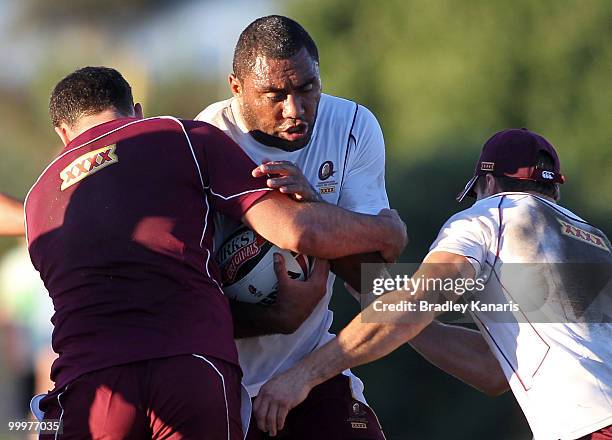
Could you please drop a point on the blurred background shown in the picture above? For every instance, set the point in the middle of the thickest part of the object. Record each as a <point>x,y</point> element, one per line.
<point>441,76</point>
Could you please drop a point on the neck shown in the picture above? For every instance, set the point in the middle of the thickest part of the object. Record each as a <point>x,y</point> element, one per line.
<point>535,193</point>
<point>68,133</point>
<point>550,199</point>
<point>86,122</point>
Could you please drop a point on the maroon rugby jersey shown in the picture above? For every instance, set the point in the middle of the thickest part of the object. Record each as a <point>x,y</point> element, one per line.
<point>120,228</point>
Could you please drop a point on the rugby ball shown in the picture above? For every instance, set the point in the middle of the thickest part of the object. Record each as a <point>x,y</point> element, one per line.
<point>246,261</point>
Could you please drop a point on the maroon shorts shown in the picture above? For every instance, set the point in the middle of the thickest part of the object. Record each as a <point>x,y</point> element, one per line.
<point>602,434</point>
<point>329,412</point>
<point>180,397</point>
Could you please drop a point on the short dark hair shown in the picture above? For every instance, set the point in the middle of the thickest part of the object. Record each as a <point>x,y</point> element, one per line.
<point>544,161</point>
<point>273,36</point>
<point>88,91</point>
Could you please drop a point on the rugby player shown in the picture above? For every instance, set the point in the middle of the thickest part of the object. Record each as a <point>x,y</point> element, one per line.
<point>315,147</point>
<point>556,356</point>
<point>119,225</point>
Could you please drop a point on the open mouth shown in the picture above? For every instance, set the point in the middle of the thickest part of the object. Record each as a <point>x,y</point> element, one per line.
<point>296,132</point>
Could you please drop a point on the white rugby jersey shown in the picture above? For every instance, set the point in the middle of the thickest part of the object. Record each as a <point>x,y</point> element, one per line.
<point>345,162</point>
<point>560,369</point>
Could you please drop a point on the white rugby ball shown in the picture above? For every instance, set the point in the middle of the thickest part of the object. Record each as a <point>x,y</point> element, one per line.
<point>246,261</point>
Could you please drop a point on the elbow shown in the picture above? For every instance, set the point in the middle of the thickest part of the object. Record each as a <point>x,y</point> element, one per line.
<point>294,241</point>
<point>306,239</point>
<point>307,243</point>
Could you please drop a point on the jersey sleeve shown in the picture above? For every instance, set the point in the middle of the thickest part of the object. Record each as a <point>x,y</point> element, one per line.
<point>363,184</point>
<point>226,172</point>
<point>464,234</point>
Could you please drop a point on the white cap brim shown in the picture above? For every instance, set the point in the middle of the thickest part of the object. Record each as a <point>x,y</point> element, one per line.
<point>468,187</point>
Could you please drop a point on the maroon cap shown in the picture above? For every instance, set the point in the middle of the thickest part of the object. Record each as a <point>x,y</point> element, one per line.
<point>513,153</point>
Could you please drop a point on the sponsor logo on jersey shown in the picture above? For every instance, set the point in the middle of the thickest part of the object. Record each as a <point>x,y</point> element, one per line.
<point>582,235</point>
<point>327,189</point>
<point>487,166</point>
<point>326,170</point>
<point>88,164</point>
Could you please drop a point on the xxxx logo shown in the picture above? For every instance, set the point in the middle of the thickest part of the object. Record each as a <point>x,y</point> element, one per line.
<point>581,234</point>
<point>88,164</point>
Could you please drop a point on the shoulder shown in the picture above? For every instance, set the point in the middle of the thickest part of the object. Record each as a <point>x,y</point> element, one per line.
<point>336,104</point>
<point>349,117</point>
<point>204,133</point>
<point>335,111</point>
<point>483,214</point>
<point>345,108</point>
<point>365,117</point>
<point>214,111</point>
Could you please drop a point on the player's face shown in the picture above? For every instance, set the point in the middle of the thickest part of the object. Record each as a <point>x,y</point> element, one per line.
<point>279,99</point>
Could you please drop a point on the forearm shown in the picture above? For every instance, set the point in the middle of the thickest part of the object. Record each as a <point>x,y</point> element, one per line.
<point>375,332</point>
<point>334,232</point>
<point>11,216</point>
<point>462,353</point>
<point>378,330</point>
<point>322,230</point>
<point>357,344</point>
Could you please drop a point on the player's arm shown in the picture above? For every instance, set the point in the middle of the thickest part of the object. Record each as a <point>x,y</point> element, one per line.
<point>462,353</point>
<point>295,301</point>
<point>370,336</point>
<point>323,230</point>
<point>458,351</point>
<point>11,216</point>
<point>315,229</point>
<point>289,179</point>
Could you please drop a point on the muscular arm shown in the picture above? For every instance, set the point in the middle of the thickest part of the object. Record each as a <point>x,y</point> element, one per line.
<point>368,337</point>
<point>462,353</point>
<point>323,230</point>
<point>11,216</point>
<point>295,301</point>
<point>373,334</point>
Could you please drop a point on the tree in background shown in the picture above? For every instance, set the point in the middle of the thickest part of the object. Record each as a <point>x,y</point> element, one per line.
<point>442,76</point>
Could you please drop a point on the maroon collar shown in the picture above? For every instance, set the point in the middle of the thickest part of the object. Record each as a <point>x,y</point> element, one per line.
<point>96,131</point>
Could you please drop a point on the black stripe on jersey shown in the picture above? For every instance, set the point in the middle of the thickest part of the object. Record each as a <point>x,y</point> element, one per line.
<point>348,144</point>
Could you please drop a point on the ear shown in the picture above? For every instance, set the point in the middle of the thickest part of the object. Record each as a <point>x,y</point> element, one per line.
<point>235,85</point>
<point>63,132</point>
<point>138,113</point>
<point>492,186</point>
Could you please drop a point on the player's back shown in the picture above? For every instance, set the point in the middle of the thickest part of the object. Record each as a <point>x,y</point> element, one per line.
<point>555,345</point>
<point>116,227</point>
